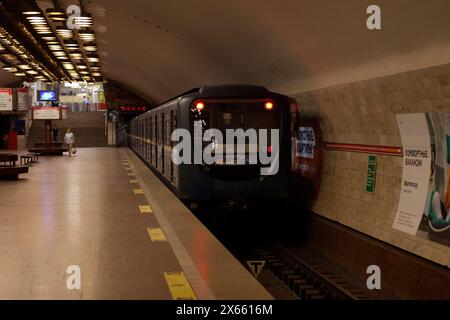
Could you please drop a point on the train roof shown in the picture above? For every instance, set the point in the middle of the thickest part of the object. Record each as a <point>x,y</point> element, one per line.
<point>222,91</point>
<point>233,90</point>
<point>225,90</point>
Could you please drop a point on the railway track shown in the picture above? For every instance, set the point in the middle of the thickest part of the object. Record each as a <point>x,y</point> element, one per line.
<point>296,269</point>
<point>311,277</point>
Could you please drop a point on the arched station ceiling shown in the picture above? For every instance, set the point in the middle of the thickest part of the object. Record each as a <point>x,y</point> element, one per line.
<point>162,48</point>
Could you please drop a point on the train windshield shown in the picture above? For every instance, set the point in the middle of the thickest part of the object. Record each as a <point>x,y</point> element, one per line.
<point>231,116</point>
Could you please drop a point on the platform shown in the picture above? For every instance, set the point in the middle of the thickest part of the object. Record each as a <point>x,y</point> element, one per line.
<point>85,211</point>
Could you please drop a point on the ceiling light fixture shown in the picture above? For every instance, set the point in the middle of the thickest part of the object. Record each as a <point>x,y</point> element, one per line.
<point>24,66</point>
<point>92,58</point>
<point>59,53</point>
<point>76,55</point>
<point>10,69</point>
<point>90,48</point>
<point>87,36</point>
<point>68,65</point>
<point>64,33</point>
<point>27,13</point>
<point>55,12</point>
<point>84,21</point>
<point>55,47</point>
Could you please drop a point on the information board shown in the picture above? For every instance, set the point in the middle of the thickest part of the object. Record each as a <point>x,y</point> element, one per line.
<point>6,99</point>
<point>371,173</point>
<point>46,113</point>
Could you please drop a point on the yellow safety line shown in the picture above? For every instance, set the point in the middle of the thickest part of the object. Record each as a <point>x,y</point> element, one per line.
<point>179,286</point>
<point>130,174</point>
<point>133,181</point>
<point>128,168</point>
<point>138,191</point>
<point>156,234</point>
<point>145,209</point>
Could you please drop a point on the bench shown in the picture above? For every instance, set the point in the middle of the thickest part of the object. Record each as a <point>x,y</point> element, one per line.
<point>26,159</point>
<point>12,172</point>
<point>35,157</point>
<point>8,168</point>
<point>8,159</point>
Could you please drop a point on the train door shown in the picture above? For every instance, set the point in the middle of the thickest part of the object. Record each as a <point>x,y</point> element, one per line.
<point>163,140</point>
<point>151,140</point>
<point>136,136</point>
<point>146,138</point>
<point>171,129</point>
<point>140,137</point>
<point>156,140</point>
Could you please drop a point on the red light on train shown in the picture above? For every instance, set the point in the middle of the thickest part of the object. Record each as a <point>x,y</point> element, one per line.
<point>269,149</point>
<point>268,105</point>
<point>199,105</point>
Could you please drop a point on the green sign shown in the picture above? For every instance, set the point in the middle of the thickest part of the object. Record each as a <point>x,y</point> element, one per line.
<point>371,174</point>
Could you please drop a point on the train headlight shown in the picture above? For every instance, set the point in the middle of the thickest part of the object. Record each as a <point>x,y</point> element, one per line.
<point>268,105</point>
<point>199,105</point>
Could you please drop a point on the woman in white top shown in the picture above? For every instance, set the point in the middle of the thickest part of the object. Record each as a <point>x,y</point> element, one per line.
<point>69,138</point>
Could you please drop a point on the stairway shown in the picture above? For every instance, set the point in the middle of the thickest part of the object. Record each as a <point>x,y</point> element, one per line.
<point>88,127</point>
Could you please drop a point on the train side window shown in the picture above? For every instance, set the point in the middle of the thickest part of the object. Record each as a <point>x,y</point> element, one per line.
<point>171,128</point>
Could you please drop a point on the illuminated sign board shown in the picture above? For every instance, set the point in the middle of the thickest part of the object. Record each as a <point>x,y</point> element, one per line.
<point>132,108</point>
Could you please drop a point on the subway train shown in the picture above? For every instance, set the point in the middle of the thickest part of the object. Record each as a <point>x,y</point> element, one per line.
<point>232,177</point>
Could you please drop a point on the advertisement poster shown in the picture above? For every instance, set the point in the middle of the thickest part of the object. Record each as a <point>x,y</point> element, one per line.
<point>416,171</point>
<point>435,224</point>
<point>307,159</point>
<point>306,142</point>
<point>425,198</point>
<point>46,113</point>
<point>6,99</point>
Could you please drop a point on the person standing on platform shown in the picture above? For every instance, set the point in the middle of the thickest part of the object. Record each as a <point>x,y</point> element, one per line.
<point>69,138</point>
<point>86,104</point>
<point>55,132</point>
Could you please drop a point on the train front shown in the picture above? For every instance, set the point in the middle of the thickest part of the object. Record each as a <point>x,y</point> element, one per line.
<point>241,148</point>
